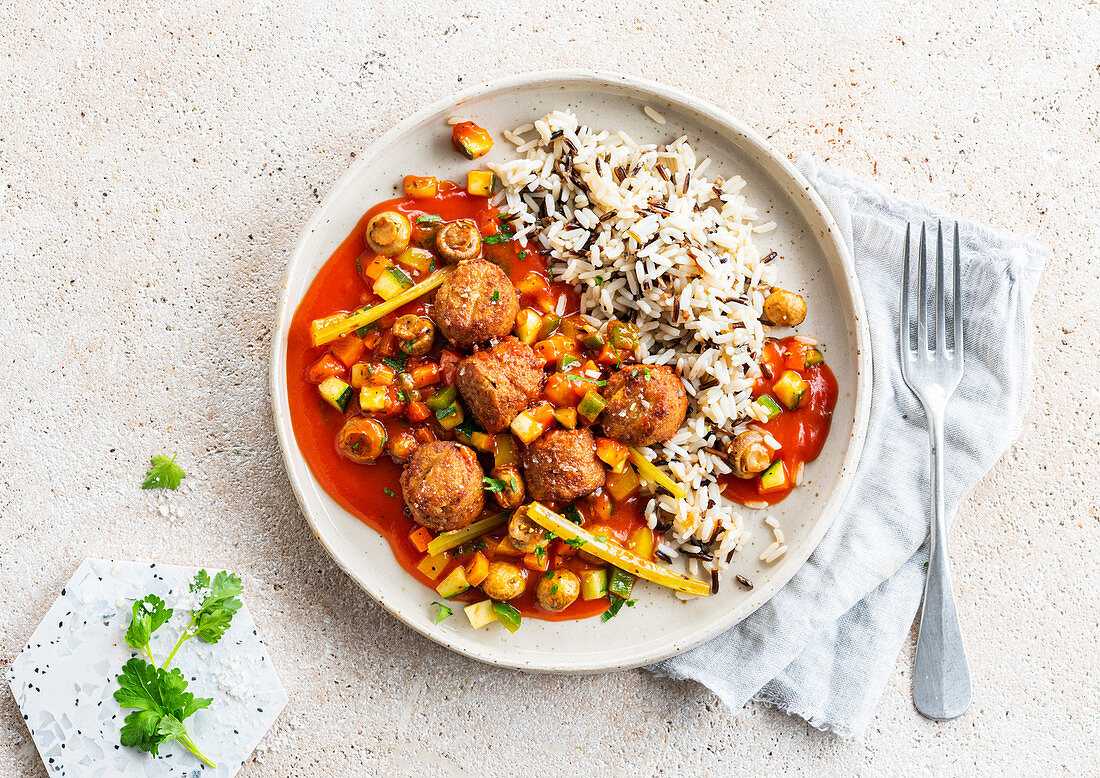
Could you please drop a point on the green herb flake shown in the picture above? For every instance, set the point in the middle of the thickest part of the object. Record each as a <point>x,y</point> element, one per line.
<point>495,296</point>
<point>617,603</point>
<point>522,256</point>
<point>442,613</point>
<point>503,235</point>
<point>164,474</point>
<point>429,218</point>
<point>574,542</point>
<point>362,331</point>
<point>388,491</point>
<point>397,363</point>
<point>494,484</point>
<point>599,280</point>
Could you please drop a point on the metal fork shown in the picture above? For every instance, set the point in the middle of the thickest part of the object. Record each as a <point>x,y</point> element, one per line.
<point>941,676</point>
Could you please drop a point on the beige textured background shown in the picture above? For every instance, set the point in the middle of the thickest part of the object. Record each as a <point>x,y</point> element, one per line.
<point>156,165</point>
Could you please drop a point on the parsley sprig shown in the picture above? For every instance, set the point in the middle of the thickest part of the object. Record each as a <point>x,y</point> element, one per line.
<point>164,473</point>
<point>160,695</point>
<point>617,603</point>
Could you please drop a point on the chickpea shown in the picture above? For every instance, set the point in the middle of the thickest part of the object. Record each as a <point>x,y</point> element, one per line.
<point>402,446</point>
<point>784,309</point>
<point>458,241</point>
<point>415,334</point>
<point>511,494</point>
<point>556,591</point>
<point>526,534</point>
<point>504,582</point>
<point>361,440</point>
<point>388,233</point>
<point>749,454</point>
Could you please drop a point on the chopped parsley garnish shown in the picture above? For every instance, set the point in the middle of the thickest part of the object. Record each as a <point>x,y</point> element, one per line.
<point>616,606</point>
<point>397,363</point>
<point>570,512</point>
<point>572,377</point>
<point>443,613</point>
<point>387,491</point>
<point>495,296</point>
<point>548,574</point>
<point>431,264</point>
<point>164,474</point>
<point>494,484</point>
<point>540,554</point>
<point>428,218</point>
<point>503,235</point>
<point>599,280</point>
<point>574,542</point>
<point>522,256</point>
<point>554,589</point>
<point>402,396</point>
<point>358,266</point>
<point>399,275</point>
<point>362,331</point>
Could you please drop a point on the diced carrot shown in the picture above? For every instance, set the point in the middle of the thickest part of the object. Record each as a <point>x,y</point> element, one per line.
<point>326,367</point>
<point>375,267</point>
<point>477,570</point>
<point>796,356</point>
<point>387,345</point>
<point>421,537</point>
<point>420,186</point>
<point>551,349</point>
<point>532,283</point>
<point>423,435</point>
<point>426,375</point>
<point>536,561</point>
<point>448,366</point>
<point>507,547</point>
<point>417,411</point>
<point>348,349</point>
<point>609,356</point>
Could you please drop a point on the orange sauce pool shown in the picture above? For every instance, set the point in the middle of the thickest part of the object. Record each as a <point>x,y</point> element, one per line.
<point>372,492</point>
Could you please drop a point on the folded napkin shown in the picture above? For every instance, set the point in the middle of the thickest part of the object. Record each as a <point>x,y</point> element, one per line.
<point>823,647</point>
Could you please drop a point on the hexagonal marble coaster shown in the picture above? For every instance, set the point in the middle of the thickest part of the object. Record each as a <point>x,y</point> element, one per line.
<point>64,679</point>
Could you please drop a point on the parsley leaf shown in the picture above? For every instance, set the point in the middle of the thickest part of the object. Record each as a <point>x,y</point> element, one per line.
<point>495,295</point>
<point>428,218</point>
<point>443,613</point>
<point>522,256</point>
<point>574,542</point>
<point>503,235</point>
<point>387,491</point>
<point>616,606</point>
<point>219,604</point>
<point>162,702</point>
<point>164,474</point>
<point>149,616</point>
<point>599,280</point>
<point>397,363</point>
<point>365,329</point>
<point>494,484</point>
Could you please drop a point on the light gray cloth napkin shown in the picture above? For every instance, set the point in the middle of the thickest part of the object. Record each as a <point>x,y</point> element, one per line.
<point>823,647</point>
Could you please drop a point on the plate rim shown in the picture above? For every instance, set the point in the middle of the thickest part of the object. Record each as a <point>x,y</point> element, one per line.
<point>672,95</point>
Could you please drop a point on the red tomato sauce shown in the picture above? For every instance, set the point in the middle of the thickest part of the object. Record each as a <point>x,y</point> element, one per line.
<point>801,432</point>
<point>372,492</point>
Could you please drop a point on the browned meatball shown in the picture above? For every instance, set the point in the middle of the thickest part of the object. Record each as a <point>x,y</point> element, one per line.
<point>499,382</point>
<point>556,591</point>
<point>784,309</point>
<point>441,485</point>
<point>562,466</point>
<point>476,302</point>
<point>646,404</point>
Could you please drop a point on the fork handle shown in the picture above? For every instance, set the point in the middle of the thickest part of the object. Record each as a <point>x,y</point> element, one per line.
<point>941,675</point>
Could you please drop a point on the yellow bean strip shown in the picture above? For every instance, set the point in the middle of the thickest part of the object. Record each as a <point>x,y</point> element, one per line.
<point>613,554</point>
<point>456,537</point>
<point>654,474</point>
<point>365,316</point>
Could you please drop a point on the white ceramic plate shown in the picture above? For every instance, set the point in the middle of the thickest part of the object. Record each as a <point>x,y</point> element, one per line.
<point>816,263</point>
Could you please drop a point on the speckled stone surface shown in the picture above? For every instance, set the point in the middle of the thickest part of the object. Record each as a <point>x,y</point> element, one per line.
<point>156,165</point>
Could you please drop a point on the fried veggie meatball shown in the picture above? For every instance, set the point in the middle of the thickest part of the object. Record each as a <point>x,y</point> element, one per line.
<point>784,309</point>
<point>646,404</point>
<point>476,302</point>
<point>556,591</point>
<point>499,382</point>
<point>562,466</point>
<point>441,486</point>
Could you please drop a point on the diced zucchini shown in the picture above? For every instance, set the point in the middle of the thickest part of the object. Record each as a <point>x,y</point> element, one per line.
<point>594,341</point>
<point>789,389</point>
<point>622,485</point>
<point>621,583</point>
<point>594,584</point>
<point>451,416</point>
<point>441,398</point>
<point>641,542</point>
<point>471,140</point>
<point>335,392</point>
<point>775,477</point>
<point>566,417</point>
<point>528,427</point>
<point>454,584</point>
<point>612,452</point>
<point>814,357</point>
<point>507,615</point>
<point>421,186</point>
<point>483,442</point>
<point>417,260</point>
<point>770,406</point>
<point>480,182</point>
<point>480,614</point>
<point>550,324</point>
<point>373,399</point>
<point>591,405</point>
<point>622,335</point>
<point>433,565</point>
<point>527,325</point>
<point>504,450</point>
<point>567,361</point>
<point>391,283</point>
